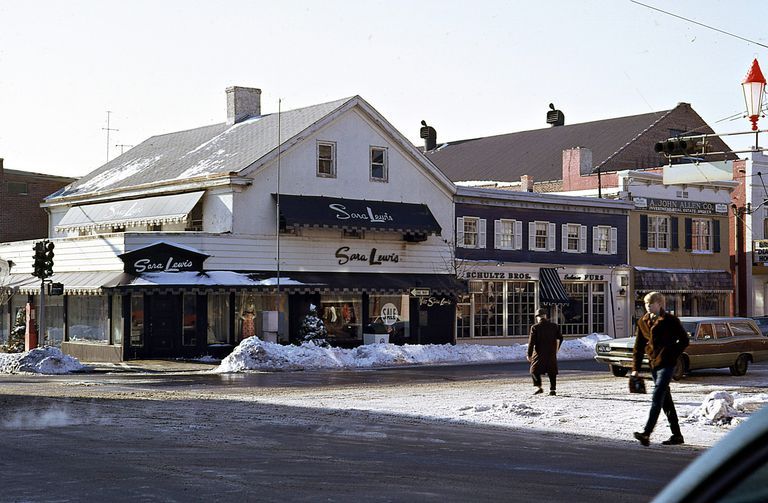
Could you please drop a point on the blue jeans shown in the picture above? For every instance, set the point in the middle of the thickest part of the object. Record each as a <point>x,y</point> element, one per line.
<point>662,400</point>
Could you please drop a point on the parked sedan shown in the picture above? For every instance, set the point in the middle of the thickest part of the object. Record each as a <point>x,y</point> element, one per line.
<point>716,342</point>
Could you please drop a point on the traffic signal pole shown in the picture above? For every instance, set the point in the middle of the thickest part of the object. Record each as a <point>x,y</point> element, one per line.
<point>41,318</point>
<point>43,269</point>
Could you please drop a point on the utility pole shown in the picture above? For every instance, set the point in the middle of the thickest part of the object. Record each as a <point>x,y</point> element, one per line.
<point>108,129</point>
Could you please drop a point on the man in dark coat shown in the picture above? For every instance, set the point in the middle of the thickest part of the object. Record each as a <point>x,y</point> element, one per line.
<point>661,336</point>
<point>543,344</point>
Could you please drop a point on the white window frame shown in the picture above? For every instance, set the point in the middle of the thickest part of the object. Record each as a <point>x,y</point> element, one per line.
<point>580,236</point>
<point>332,145</point>
<point>511,240</point>
<point>384,164</point>
<point>696,236</point>
<point>606,234</point>
<point>549,235</point>
<point>479,232</point>
<point>656,234</point>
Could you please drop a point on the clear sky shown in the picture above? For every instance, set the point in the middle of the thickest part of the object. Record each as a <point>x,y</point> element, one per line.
<point>469,68</point>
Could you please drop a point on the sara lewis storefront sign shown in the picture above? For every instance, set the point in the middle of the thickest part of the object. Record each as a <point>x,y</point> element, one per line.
<point>680,206</point>
<point>162,257</point>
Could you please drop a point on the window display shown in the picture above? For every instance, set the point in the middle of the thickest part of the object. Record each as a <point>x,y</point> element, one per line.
<point>389,314</point>
<point>249,313</point>
<point>341,317</point>
<point>88,318</point>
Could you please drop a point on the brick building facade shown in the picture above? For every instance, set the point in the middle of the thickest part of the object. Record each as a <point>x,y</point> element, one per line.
<point>21,193</point>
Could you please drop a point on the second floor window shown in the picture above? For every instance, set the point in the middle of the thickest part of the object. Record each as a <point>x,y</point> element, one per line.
<point>379,164</point>
<point>658,233</point>
<point>604,240</point>
<point>326,159</point>
<point>702,235</point>
<point>508,234</point>
<point>470,232</point>
<point>574,238</point>
<point>541,236</point>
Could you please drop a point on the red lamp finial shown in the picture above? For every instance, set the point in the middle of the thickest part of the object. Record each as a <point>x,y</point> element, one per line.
<point>753,87</point>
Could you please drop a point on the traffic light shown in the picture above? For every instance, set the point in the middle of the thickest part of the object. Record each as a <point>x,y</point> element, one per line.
<point>685,147</point>
<point>43,265</point>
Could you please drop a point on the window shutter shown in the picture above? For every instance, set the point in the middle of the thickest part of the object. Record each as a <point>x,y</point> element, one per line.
<point>643,232</point>
<point>595,240</point>
<point>531,235</point>
<point>481,233</point>
<point>674,240</point>
<point>716,236</point>
<point>583,239</point>
<point>564,237</point>
<point>688,234</point>
<point>551,235</point>
<point>460,232</point>
<point>518,243</point>
<point>614,240</point>
<point>497,234</point>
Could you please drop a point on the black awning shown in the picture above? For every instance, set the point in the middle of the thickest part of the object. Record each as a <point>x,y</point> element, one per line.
<point>320,211</point>
<point>306,282</point>
<point>551,290</point>
<point>676,281</point>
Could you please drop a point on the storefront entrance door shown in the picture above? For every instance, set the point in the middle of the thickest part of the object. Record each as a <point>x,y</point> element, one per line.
<point>164,323</point>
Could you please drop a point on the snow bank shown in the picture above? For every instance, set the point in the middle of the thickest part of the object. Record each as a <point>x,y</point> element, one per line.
<point>722,407</point>
<point>46,360</point>
<point>255,354</point>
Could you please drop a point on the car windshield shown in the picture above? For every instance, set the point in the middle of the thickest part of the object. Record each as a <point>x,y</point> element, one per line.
<point>690,327</point>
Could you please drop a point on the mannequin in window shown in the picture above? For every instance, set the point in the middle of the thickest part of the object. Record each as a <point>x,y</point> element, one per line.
<point>249,322</point>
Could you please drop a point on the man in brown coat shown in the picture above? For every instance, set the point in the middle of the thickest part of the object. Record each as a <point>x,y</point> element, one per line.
<point>661,337</point>
<point>543,344</point>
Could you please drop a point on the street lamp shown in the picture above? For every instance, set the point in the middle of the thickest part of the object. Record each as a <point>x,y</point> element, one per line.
<point>753,86</point>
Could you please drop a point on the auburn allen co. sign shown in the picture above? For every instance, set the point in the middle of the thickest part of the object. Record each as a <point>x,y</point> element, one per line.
<point>162,257</point>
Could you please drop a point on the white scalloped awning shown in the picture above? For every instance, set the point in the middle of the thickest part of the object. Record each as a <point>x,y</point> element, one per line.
<point>147,211</point>
<point>75,283</point>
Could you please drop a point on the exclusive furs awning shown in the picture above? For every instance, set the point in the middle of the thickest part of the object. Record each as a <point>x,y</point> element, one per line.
<point>551,290</point>
<point>682,280</point>
<point>356,214</point>
<point>146,211</point>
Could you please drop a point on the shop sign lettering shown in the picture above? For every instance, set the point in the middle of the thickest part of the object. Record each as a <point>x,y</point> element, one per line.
<point>585,277</point>
<point>760,247</point>
<point>496,275</point>
<point>372,258</point>
<point>679,206</point>
<point>389,314</point>
<point>368,215</point>
<point>434,301</point>
<point>147,265</point>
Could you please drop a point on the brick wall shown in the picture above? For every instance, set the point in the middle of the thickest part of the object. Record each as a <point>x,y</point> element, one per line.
<point>21,216</point>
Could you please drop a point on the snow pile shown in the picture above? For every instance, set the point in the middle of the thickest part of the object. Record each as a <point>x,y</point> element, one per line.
<point>721,407</point>
<point>255,354</point>
<point>46,360</point>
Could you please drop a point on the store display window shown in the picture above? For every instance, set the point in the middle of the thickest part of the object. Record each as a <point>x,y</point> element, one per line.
<point>249,313</point>
<point>341,316</point>
<point>389,314</point>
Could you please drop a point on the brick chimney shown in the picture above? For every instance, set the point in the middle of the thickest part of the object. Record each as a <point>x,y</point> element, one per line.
<point>526,183</point>
<point>577,161</point>
<point>242,103</point>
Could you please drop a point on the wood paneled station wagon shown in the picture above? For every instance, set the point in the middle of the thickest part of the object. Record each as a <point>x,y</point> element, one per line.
<point>716,342</point>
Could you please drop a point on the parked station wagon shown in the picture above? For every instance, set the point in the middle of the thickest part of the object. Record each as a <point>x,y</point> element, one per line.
<point>715,342</point>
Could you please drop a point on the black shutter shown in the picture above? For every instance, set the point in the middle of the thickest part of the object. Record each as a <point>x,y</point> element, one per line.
<point>688,234</point>
<point>673,244</point>
<point>716,236</point>
<point>643,232</point>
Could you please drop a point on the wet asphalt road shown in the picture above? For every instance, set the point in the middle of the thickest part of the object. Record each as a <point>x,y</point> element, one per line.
<point>133,445</point>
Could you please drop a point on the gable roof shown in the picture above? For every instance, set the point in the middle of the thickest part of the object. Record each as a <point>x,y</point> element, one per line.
<point>539,152</point>
<point>208,151</point>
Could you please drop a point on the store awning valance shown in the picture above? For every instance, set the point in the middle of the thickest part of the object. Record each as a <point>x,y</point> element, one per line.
<point>75,283</point>
<point>551,290</point>
<point>359,214</point>
<point>146,211</point>
<point>293,282</point>
<point>681,281</point>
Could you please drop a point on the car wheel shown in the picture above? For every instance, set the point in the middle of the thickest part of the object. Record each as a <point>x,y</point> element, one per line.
<point>618,371</point>
<point>679,368</point>
<point>739,368</point>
